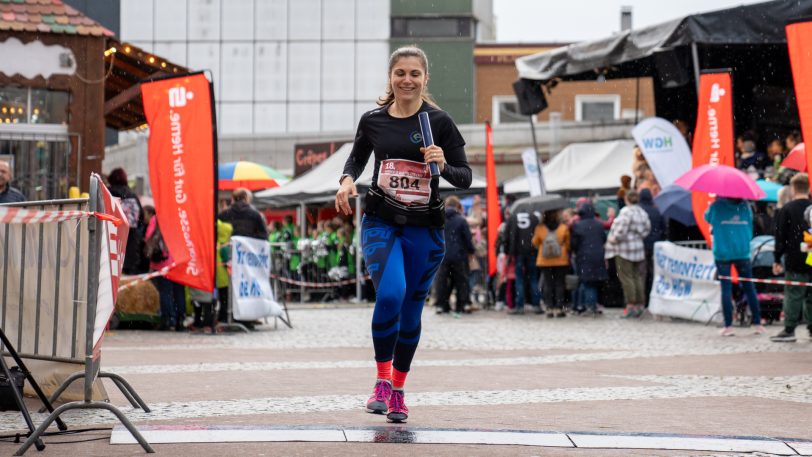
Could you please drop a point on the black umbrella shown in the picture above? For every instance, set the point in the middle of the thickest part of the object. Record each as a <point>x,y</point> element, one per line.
<point>539,204</point>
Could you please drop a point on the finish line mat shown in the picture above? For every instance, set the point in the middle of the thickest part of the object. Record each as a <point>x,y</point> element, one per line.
<point>159,434</point>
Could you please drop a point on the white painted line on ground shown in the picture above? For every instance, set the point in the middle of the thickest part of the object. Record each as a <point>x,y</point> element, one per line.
<point>680,443</point>
<point>337,364</point>
<point>165,434</point>
<point>269,366</point>
<point>120,435</point>
<point>671,387</point>
<point>463,437</point>
<point>802,447</point>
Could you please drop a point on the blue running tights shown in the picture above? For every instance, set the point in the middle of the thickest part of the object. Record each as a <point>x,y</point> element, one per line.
<point>402,262</point>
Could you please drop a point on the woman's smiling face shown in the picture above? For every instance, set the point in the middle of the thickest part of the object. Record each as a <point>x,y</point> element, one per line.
<point>408,78</point>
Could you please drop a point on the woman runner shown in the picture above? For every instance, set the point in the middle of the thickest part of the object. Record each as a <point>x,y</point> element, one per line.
<point>402,229</point>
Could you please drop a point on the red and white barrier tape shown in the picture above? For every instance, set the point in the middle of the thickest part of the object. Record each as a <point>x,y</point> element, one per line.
<point>135,279</point>
<point>770,281</point>
<point>314,284</point>
<point>14,215</point>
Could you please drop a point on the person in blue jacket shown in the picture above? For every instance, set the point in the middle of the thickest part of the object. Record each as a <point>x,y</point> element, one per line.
<point>731,223</point>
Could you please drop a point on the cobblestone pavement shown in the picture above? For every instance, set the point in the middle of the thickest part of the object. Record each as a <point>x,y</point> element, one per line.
<point>481,371</point>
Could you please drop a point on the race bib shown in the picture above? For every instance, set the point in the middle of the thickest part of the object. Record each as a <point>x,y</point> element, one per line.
<point>406,181</point>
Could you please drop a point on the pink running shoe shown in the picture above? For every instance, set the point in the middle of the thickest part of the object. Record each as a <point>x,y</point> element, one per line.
<point>398,412</point>
<point>378,402</point>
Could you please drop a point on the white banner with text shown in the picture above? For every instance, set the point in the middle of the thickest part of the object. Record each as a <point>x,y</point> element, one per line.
<point>251,293</point>
<point>684,283</point>
<point>664,148</point>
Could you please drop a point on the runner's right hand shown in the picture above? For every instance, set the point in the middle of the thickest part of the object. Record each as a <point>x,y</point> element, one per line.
<point>343,195</point>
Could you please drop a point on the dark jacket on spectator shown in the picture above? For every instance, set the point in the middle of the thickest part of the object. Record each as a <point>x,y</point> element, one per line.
<point>588,238</point>
<point>11,195</point>
<point>657,232</point>
<point>763,223</point>
<point>520,229</point>
<point>135,262</point>
<point>789,234</point>
<point>245,220</point>
<point>458,243</point>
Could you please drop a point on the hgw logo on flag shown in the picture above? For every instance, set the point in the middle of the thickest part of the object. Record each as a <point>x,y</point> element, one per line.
<point>664,148</point>
<point>658,140</point>
<point>178,96</point>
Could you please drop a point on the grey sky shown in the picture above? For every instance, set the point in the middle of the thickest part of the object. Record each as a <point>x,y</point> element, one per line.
<point>534,21</point>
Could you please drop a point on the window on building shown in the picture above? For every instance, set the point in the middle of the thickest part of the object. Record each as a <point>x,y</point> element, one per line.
<point>505,110</point>
<point>597,108</point>
<point>49,107</point>
<point>433,27</point>
<point>23,105</point>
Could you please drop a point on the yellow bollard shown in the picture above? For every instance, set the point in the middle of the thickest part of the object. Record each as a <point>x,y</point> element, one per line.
<point>73,192</point>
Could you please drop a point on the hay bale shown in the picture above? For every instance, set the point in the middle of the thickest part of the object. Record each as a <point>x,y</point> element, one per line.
<point>141,298</point>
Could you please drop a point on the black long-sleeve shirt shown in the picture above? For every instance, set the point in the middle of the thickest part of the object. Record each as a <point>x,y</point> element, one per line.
<point>789,234</point>
<point>399,138</point>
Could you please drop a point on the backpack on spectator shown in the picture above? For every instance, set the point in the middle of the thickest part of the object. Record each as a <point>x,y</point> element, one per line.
<point>551,248</point>
<point>155,247</point>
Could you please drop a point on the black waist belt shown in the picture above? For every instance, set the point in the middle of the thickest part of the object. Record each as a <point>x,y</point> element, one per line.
<point>379,205</point>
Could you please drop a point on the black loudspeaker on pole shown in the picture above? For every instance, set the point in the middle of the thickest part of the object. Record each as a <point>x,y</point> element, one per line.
<point>530,96</point>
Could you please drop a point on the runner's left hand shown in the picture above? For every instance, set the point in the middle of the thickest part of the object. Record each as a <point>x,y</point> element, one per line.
<point>434,154</point>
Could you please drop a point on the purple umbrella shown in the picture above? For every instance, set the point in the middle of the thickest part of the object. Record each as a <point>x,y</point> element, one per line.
<point>722,180</point>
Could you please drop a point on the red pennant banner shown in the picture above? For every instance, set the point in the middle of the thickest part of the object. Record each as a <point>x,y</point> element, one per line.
<point>492,199</point>
<point>799,45</point>
<point>181,173</point>
<point>713,137</point>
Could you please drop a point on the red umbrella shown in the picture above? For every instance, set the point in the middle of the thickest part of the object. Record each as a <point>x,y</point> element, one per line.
<point>796,159</point>
<point>722,180</point>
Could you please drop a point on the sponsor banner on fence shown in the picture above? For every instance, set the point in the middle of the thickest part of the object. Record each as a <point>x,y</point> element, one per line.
<point>252,296</point>
<point>181,173</point>
<point>684,284</point>
<point>664,148</point>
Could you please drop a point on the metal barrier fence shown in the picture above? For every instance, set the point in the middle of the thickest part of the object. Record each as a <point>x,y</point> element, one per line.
<point>44,324</point>
<point>309,271</point>
<point>694,244</point>
<point>65,254</point>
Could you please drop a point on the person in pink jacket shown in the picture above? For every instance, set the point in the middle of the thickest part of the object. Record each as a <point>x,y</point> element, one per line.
<point>173,299</point>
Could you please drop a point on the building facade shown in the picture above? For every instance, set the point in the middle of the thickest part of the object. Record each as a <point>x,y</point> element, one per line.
<point>448,32</point>
<point>579,101</point>
<point>51,96</point>
<point>278,66</point>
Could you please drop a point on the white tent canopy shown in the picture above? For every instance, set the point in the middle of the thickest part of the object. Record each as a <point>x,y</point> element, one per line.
<point>583,166</point>
<point>320,184</point>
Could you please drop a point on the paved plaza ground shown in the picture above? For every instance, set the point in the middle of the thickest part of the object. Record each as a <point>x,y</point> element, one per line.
<point>487,370</point>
